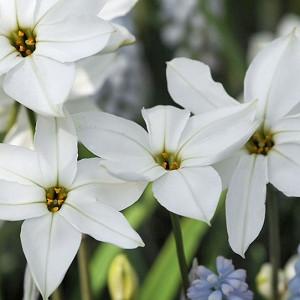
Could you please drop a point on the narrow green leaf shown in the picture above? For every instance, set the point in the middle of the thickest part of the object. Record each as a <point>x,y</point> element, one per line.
<point>105,253</point>
<point>163,280</point>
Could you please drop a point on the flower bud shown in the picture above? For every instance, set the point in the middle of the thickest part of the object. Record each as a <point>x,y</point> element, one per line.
<point>122,279</point>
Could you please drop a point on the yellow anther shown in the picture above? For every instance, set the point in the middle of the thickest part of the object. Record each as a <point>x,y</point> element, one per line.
<point>55,198</point>
<point>260,143</point>
<point>21,33</point>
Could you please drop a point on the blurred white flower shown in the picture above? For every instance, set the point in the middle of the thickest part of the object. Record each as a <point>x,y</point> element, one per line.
<point>40,41</point>
<point>60,198</point>
<point>175,154</point>
<point>261,39</point>
<point>264,282</point>
<point>272,153</point>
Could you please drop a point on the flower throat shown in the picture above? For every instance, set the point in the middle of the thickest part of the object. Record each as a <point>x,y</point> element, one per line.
<point>24,41</point>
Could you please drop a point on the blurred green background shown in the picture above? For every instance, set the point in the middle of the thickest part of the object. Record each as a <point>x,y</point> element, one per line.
<point>226,35</point>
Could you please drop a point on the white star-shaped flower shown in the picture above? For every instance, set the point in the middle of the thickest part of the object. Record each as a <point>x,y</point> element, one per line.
<point>272,153</point>
<point>39,42</point>
<point>175,154</point>
<point>59,199</point>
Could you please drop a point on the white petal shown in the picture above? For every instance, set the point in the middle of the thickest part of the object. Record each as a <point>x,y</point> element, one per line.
<point>9,56</point>
<point>20,165</point>
<point>226,168</point>
<point>43,7</point>
<point>30,290</point>
<point>272,78</point>
<point>120,141</point>
<point>245,203</point>
<point>100,221</point>
<point>165,125</point>
<point>40,84</point>
<point>50,244</point>
<point>25,12</point>
<point>64,9</point>
<point>284,168</point>
<point>73,39</point>
<point>56,143</point>
<point>190,192</point>
<point>211,137</point>
<point>120,37</point>
<point>116,8</point>
<point>19,202</point>
<point>92,178</point>
<point>190,84</point>
<point>91,74</point>
<point>8,16</point>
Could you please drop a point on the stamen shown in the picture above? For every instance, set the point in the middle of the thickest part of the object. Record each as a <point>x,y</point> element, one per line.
<point>55,198</point>
<point>24,41</point>
<point>260,143</point>
<point>168,161</point>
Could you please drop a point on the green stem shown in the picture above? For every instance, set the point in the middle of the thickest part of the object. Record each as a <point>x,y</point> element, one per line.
<point>85,287</point>
<point>274,239</point>
<point>180,251</point>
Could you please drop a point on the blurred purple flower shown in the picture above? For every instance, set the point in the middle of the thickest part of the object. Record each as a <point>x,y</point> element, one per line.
<point>228,284</point>
<point>294,284</point>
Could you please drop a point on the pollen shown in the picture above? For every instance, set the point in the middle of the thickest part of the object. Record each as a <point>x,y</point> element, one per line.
<point>24,41</point>
<point>55,198</point>
<point>260,143</point>
<point>168,161</point>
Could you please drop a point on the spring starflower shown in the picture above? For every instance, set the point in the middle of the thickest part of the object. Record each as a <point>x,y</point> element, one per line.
<point>271,155</point>
<point>40,41</point>
<point>60,199</point>
<point>175,154</point>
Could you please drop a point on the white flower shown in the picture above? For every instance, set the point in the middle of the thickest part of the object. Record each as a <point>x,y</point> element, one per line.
<point>60,198</point>
<point>272,153</point>
<point>175,154</point>
<point>40,40</point>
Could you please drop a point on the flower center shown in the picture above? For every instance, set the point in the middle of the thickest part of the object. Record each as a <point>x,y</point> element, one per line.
<point>55,198</point>
<point>260,143</point>
<point>168,161</point>
<point>24,41</point>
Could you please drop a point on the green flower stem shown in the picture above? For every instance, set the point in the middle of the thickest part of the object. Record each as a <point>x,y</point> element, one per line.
<point>274,239</point>
<point>85,282</point>
<point>180,251</point>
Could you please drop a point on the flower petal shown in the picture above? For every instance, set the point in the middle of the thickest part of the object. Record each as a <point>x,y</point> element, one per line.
<point>165,126</point>
<point>272,78</point>
<point>30,290</point>
<point>56,144</point>
<point>9,57</point>
<point>189,192</point>
<point>50,244</point>
<point>211,137</point>
<point>19,202</point>
<point>20,165</point>
<point>284,168</point>
<point>245,203</point>
<point>116,8</point>
<point>100,221</point>
<point>120,37</point>
<point>92,178</point>
<point>73,39</point>
<point>103,134</point>
<point>40,84</point>
<point>190,84</point>
<point>8,16</point>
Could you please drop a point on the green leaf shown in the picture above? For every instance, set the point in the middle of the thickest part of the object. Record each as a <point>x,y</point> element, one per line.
<point>164,279</point>
<point>105,253</point>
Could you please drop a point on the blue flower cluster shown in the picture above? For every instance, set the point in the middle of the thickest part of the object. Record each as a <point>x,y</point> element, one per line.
<point>294,284</point>
<point>228,284</point>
